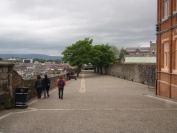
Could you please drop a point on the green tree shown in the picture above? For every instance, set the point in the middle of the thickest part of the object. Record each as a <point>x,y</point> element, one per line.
<point>78,54</point>
<point>122,53</point>
<point>39,60</point>
<point>115,50</point>
<point>0,59</point>
<point>101,55</point>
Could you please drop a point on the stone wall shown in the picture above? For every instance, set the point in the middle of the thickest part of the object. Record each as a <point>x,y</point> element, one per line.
<point>141,73</point>
<point>19,82</point>
<point>10,80</point>
<point>6,89</point>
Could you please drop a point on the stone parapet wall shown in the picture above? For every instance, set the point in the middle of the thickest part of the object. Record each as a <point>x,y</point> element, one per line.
<point>19,82</point>
<point>10,80</point>
<point>6,89</point>
<point>141,73</point>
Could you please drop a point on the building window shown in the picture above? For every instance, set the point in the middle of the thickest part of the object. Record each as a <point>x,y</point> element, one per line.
<point>176,54</point>
<point>153,52</point>
<point>166,55</point>
<point>166,9</point>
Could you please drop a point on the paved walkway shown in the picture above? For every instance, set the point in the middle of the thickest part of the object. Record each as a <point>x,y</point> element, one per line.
<point>95,104</point>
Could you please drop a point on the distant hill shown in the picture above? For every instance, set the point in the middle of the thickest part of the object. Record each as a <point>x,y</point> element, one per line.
<point>40,56</point>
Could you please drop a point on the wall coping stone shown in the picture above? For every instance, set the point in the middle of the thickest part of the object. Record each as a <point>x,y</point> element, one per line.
<point>6,64</point>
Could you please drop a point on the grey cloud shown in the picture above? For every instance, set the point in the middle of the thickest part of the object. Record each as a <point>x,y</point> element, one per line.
<point>53,25</point>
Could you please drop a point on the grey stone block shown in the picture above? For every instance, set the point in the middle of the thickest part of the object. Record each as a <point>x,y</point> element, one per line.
<point>5,69</point>
<point>4,76</point>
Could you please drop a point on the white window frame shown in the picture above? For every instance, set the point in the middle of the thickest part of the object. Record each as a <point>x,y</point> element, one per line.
<point>153,51</point>
<point>175,54</point>
<point>175,39</point>
<point>166,9</point>
<point>166,55</point>
<point>174,12</point>
<point>165,67</point>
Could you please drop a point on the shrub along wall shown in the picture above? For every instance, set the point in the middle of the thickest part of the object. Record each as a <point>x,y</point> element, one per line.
<point>141,73</point>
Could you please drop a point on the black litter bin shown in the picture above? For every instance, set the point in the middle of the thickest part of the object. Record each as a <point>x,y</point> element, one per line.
<point>21,97</point>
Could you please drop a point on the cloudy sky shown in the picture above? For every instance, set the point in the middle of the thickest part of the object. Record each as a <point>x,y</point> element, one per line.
<point>49,26</point>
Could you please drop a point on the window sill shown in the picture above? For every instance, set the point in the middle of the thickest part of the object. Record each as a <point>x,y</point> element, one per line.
<point>174,12</point>
<point>174,71</point>
<point>164,19</point>
<point>165,70</point>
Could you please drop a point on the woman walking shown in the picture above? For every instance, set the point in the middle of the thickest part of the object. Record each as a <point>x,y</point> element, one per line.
<point>39,86</point>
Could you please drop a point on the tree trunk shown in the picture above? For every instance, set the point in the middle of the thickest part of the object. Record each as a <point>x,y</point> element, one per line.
<point>101,70</point>
<point>95,70</point>
<point>78,71</point>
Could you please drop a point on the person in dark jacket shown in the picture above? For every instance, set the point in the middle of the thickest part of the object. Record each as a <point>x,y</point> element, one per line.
<point>47,84</point>
<point>39,86</point>
<point>68,75</point>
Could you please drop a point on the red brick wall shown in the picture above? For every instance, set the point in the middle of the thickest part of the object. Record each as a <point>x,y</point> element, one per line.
<point>174,92</point>
<point>164,89</point>
<point>167,81</point>
<point>165,77</point>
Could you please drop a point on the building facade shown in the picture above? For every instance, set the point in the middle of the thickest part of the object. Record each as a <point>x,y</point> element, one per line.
<point>142,51</point>
<point>28,60</point>
<point>166,67</point>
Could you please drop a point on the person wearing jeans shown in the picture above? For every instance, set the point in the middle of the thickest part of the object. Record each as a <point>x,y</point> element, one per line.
<point>60,87</point>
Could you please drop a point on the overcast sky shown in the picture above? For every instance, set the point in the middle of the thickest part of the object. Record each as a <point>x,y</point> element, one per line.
<point>49,26</point>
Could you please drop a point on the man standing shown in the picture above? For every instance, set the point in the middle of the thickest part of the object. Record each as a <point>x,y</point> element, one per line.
<point>68,75</point>
<point>47,84</point>
<point>60,83</point>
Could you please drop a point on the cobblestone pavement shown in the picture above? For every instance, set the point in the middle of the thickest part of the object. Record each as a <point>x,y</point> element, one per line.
<point>95,104</point>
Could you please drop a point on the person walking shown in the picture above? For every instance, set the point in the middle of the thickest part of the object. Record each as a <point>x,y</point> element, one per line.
<point>47,84</point>
<point>60,83</point>
<point>39,86</point>
<point>68,76</point>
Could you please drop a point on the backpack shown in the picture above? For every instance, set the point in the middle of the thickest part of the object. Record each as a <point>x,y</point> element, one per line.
<point>61,82</point>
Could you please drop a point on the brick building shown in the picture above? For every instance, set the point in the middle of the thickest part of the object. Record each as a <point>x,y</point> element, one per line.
<point>167,48</point>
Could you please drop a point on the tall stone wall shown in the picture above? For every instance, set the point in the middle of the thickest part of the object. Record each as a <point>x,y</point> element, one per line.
<point>141,73</point>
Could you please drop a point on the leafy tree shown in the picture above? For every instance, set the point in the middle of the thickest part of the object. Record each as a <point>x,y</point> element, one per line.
<point>0,59</point>
<point>78,54</point>
<point>101,55</point>
<point>39,60</point>
<point>57,61</point>
<point>122,53</point>
<point>115,50</point>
